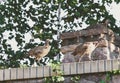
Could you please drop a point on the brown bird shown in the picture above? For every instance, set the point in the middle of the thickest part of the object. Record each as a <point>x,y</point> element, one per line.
<point>40,51</point>
<point>85,49</point>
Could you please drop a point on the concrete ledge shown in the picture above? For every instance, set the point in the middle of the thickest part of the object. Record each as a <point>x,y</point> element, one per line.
<point>68,69</point>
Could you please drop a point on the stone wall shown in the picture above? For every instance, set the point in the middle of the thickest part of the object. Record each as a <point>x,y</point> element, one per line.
<point>108,48</point>
<point>87,78</point>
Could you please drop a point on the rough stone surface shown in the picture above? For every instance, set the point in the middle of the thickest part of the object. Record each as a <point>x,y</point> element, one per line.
<point>68,57</point>
<point>85,81</point>
<point>115,78</point>
<point>108,48</point>
<point>100,53</point>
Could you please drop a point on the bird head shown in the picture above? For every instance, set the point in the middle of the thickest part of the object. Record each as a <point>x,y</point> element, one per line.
<point>106,22</point>
<point>48,41</point>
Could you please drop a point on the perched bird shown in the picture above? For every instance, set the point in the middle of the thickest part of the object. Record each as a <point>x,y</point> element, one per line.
<point>40,51</point>
<point>85,49</point>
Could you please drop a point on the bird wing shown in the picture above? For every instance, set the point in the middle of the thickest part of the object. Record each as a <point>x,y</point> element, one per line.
<point>80,49</point>
<point>39,49</point>
<point>42,51</point>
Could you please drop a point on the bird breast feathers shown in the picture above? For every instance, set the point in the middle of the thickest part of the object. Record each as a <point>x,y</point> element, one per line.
<point>43,49</point>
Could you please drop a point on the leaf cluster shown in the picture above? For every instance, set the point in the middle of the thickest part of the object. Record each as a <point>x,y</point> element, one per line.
<point>40,19</point>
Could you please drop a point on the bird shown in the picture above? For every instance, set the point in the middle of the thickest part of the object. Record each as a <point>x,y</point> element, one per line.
<point>40,51</point>
<point>85,49</point>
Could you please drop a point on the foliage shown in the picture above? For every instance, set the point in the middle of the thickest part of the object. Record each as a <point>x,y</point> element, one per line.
<point>109,74</point>
<point>115,72</point>
<point>102,81</point>
<point>57,77</point>
<point>16,14</point>
<point>75,79</point>
<point>107,79</point>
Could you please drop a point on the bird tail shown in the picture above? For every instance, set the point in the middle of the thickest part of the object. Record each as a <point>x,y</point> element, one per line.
<point>74,53</point>
<point>26,55</point>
